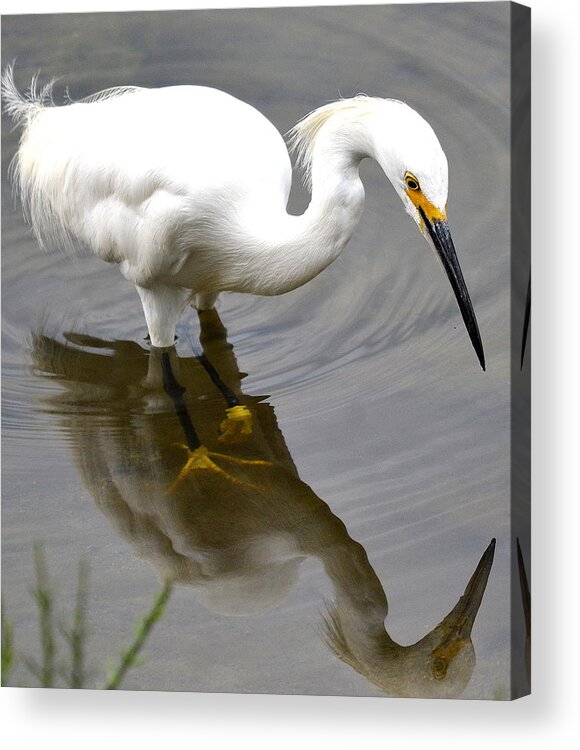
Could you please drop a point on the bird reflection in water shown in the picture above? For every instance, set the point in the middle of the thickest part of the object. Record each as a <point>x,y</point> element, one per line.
<point>238,532</point>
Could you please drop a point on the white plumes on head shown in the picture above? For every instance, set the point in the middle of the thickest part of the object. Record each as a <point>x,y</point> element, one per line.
<point>388,130</point>
<point>303,136</point>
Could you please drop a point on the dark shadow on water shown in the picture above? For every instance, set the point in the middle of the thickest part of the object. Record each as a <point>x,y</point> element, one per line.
<point>235,528</point>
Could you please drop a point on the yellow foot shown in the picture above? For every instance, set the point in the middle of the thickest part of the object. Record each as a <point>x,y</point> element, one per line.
<point>237,426</point>
<point>243,461</point>
<point>201,458</point>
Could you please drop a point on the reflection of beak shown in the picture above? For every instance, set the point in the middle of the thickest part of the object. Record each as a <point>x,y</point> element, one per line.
<point>441,237</point>
<point>525,589</point>
<point>459,622</point>
<point>526,321</point>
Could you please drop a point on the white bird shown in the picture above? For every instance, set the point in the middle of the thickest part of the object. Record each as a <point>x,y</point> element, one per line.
<point>186,189</point>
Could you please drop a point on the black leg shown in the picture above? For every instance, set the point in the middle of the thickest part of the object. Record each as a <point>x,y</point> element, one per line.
<point>237,426</point>
<point>175,391</point>
<point>198,456</point>
<point>229,396</point>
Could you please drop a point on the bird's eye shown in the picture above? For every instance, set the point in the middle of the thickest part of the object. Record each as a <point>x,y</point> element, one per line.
<point>412,181</point>
<point>439,668</point>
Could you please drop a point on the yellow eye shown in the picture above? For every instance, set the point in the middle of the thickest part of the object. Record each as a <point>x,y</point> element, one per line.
<point>412,181</point>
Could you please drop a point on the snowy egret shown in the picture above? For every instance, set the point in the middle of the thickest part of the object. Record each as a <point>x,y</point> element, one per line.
<point>239,544</point>
<point>186,189</point>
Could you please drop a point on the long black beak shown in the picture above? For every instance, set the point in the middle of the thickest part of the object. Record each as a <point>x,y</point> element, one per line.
<point>459,622</point>
<point>441,237</point>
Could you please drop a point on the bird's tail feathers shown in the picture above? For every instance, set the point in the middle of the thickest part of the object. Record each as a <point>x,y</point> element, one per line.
<point>23,107</point>
<point>37,188</point>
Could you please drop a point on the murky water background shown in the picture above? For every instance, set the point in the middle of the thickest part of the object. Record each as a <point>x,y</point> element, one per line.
<point>376,389</point>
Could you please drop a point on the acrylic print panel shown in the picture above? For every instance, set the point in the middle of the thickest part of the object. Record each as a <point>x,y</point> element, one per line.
<point>256,497</point>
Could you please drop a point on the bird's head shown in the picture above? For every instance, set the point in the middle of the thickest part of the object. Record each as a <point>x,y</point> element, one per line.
<point>411,156</point>
<point>440,664</point>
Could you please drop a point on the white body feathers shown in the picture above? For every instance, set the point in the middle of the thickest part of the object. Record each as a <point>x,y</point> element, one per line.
<point>186,187</point>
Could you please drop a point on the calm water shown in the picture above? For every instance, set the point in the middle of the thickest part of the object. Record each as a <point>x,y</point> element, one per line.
<point>388,446</point>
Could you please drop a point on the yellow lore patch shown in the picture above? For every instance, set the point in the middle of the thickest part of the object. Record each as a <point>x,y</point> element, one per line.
<point>431,211</point>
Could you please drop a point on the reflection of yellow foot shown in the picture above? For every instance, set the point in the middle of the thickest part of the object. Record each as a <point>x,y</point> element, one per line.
<point>237,426</point>
<point>201,458</point>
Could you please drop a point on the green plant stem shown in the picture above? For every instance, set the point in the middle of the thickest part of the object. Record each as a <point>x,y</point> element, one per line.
<point>77,637</point>
<point>129,656</point>
<point>74,672</point>
<point>44,599</point>
<point>7,648</point>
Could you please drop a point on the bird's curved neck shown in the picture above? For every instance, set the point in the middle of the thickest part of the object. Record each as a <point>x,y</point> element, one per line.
<point>298,248</point>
